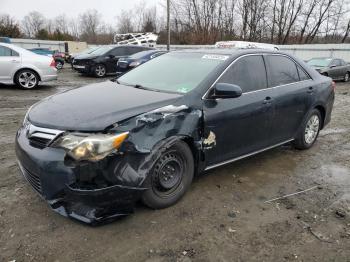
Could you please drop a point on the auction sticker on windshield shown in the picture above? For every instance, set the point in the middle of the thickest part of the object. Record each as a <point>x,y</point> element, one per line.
<point>216,57</point>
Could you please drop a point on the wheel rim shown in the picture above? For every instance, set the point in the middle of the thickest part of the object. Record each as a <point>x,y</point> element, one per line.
<point>100,70</point>
<point>312,128</point>
<point>346,77</point>
<point>168,174</point>
<point>27,79</point>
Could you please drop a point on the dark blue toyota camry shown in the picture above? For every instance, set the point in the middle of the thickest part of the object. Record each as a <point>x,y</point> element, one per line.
<point>94,151</point>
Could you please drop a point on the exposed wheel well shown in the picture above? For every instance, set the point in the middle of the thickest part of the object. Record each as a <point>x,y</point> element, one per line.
<point>195,153</point>
<point>323,113</point>
<point>19,70</point>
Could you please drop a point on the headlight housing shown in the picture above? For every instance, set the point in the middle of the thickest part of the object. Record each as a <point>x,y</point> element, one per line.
<point>135,64</point>
<point>90,147</point>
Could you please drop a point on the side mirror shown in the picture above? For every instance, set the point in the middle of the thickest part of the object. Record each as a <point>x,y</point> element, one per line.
<point>111,56</point>
<point>332,66</point>
<point>224,90</point>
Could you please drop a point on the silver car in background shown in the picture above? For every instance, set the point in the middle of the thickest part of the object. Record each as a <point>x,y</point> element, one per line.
<point>24,68</point>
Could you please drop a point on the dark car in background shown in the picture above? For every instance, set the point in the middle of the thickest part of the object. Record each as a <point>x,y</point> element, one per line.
<point>104,60</point>
<point>58,56</point>
<point>93,152</point>
<point>125,64</point>
<point>71,57</point>
<point>335,68</point>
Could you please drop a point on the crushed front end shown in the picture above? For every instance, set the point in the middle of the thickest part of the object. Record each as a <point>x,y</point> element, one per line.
<point>91,192</point>
<point>108,187</point>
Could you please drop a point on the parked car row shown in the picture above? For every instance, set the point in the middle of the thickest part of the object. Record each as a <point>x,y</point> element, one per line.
<point>104,60</point>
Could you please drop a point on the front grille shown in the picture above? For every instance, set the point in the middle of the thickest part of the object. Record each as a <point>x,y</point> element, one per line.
<point>33,179</point>
<point>41,137</point>
<point>39,142</point>
<point>81,62</point>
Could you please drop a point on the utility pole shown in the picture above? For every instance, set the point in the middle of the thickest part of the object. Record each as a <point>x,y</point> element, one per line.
<point>168,24</point>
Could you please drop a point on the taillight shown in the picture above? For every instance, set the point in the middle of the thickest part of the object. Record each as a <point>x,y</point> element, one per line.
<point>53,63</point>
<point>333,85</point>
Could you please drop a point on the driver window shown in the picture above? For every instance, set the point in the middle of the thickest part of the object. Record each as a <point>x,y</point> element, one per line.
<point>247,72</point>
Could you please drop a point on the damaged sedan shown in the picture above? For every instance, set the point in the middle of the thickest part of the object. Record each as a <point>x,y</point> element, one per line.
<point>93,152</point>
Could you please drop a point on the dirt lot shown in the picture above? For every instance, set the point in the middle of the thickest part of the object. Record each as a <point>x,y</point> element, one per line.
<point>223,217</point>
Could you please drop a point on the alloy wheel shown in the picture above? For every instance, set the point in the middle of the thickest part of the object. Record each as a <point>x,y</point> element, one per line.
<point>312,129</point>
<point>100,70</point>
<point>27,79</point>
<point>346,77</point>
<point>59,65</point>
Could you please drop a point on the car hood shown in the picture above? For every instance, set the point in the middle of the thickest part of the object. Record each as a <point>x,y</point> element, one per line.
<point>85,56</point>
<point>95,107</point>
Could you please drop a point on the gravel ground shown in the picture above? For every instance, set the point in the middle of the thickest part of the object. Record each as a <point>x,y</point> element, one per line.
<point>223,217</point>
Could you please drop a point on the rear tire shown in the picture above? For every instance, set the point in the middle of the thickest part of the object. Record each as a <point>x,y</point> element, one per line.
<point>170,177</point>
<point>59,65</point>
<point>309,131</point>
<point>347,77</point>
<point>26,79</point>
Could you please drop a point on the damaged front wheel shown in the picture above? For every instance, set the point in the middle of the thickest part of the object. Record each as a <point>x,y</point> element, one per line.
<point>170,178</point>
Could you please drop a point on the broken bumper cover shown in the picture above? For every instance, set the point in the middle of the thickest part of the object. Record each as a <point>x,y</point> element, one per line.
<point>96,206</point>
<point>55,182</point>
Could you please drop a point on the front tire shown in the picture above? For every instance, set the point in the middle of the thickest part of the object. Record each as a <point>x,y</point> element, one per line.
<point>170,177</point>
<point>27,79</point>
<point>347,77</point>
<point>100,71</point>
<point>309,131</point>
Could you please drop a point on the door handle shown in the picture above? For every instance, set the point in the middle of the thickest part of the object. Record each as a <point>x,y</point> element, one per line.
<point>310,90</point>
<point>14,61</point>
<point>267,100</point>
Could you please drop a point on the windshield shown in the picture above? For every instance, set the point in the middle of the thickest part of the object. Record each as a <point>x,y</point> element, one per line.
<point>102,50</point>
<point>173,72</point>
<point>320,62</point>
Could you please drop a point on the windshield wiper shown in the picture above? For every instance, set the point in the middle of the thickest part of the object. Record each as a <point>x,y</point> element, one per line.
<point>138,86</point>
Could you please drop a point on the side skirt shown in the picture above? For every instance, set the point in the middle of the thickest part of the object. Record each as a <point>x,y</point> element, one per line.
<point>247,155</point>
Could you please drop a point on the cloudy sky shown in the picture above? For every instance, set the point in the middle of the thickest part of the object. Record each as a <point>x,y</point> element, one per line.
<point>72,8</point>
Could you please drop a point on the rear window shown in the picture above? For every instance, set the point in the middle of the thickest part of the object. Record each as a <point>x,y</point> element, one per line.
<point>281,70</point>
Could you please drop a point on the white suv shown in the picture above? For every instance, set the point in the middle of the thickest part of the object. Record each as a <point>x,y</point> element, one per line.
<point>24,68</point>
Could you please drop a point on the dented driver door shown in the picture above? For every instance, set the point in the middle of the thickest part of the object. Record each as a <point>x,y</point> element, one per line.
<point>239,125</point>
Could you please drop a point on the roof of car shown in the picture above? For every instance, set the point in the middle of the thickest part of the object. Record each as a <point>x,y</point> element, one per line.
<point>229,51</point>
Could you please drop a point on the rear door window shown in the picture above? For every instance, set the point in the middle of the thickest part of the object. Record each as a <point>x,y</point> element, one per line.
<point>281,70</point>
<point>247,72</point>
<point>5,51</point>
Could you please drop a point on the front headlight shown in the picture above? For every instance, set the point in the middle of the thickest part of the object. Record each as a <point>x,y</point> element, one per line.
<point>135,64</point>
<point>92,147</point>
